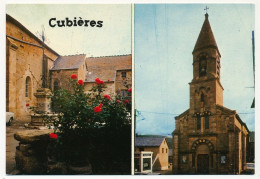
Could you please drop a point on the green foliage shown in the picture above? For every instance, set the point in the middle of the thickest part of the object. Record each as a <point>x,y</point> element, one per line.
<point>81,128</point>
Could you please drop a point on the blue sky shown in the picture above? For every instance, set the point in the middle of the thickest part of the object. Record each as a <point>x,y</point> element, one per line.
<point>165,36</point>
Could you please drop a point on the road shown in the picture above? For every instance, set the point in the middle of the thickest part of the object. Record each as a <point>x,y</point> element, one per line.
<point>11,144</point>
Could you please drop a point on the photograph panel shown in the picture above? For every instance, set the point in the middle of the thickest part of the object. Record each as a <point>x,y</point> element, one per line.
<point>68,89</point>
<point>185,56</point>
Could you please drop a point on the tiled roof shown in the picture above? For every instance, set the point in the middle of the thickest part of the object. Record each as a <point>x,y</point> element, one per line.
<point>105,67</point>
<point>69,62</point>
<point>148,141</point>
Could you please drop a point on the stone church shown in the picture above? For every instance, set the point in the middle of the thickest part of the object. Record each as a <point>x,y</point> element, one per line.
<point>208,137</point>
<point>34,70</point>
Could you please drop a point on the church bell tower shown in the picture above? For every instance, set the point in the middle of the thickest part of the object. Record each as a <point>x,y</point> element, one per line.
<point>205,88</point>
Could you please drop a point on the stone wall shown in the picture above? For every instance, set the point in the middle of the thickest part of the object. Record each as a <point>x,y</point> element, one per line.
<point>63,78</point>
<point>23,61</point>
<point>33,156</point>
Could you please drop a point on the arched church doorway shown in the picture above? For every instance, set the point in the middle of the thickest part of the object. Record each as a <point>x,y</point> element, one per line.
<point>202,154</point>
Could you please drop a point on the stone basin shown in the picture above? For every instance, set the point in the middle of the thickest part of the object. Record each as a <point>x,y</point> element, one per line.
<point>31,136</point>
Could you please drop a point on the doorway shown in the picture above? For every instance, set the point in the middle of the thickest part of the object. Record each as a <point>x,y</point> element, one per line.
<point>203,164</point>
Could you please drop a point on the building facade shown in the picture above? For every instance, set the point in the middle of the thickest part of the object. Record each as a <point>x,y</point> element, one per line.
<point>25,63</point>
<point>159,147</point>
<point>33,68</point>
<point>208,137</point>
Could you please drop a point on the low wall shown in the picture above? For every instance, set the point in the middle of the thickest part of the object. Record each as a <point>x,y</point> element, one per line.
<point>32,155</point>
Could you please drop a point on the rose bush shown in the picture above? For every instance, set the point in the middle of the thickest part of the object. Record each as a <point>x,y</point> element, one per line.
<point>92,125</point>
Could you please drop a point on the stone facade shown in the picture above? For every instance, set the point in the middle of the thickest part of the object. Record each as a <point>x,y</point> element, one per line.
<point>160,153</point>
<point>24,59</point>
<point>115,71</point>
<point>25,67</point>
<point>208,137</point>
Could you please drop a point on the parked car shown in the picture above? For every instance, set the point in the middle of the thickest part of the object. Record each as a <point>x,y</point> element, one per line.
<point>9,118</point>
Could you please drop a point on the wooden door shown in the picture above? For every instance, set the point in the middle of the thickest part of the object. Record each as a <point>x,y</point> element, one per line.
<point>203,163</point>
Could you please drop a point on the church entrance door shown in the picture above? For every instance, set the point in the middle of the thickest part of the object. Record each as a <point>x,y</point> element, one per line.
<point>203,164</point>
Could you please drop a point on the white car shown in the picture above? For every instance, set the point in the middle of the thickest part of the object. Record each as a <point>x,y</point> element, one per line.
<point>9,118</point>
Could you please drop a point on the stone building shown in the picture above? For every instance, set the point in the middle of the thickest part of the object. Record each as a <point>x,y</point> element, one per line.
<point>24,72</point>
<point>29,76</point>
<point>115,71</point>
<point>208,137</point>
<point>64,67</point>
<point>159,147</point>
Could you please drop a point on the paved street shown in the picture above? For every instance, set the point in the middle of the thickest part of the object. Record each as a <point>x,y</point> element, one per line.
<point>11,144</point>
<point>166,172</point>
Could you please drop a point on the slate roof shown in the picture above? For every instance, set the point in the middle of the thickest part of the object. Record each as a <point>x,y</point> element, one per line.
<point>69,62</point>
<point>169,141</point>
<point>206,38</point>
<point>105,67</point>
<point>252,136</point>
<point>148,141</point>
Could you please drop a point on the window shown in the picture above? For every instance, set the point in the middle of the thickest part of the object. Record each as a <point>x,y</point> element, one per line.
<point>123,74</point>
<point>206,122</point>
<point>198,123</point>
<point>55,85</point>
<point>218,68</point>
<point>28,87</point>
<point>202,66</point>
<point>166,150</point>
<point>162,150</point>
<point>147,164</point>
<point>202,97</point>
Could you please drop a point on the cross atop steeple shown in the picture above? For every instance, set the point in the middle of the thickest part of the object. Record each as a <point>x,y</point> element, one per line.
<point>206,9</point>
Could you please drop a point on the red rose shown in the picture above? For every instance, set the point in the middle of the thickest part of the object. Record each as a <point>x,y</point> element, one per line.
<point>129,90</point>
<point>97,109</point>
<point>80,82</point>
<point>53,136</point>
<point>27,104</point>
<point>100,105</point>
<point>126,101</point>
<point>107,96</point>
<point>119,91</point>
<point>108,80</point>
<point>118,101</point>
<point>73,76</point>
<point>97,80</point>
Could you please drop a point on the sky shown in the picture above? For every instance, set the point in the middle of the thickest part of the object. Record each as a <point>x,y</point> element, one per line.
<point>165,36</point>
<point>113,38</point>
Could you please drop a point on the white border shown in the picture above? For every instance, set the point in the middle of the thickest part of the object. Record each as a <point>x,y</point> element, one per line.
<point>2,76</point>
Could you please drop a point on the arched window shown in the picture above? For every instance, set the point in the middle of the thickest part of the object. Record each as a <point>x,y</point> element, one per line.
<point>206,122</point>
<point>198,123</point>
<point>28,87</point>
<point>55,85</point>
<point>203,66</point>
<point>202,97</point>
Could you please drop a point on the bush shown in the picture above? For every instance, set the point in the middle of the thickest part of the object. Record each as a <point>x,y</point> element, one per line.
<point>92,125</point>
